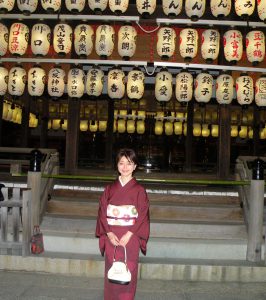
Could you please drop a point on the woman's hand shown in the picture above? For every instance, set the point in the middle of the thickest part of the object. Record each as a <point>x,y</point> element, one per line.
<point>113,238</point>
<point>125,239</point>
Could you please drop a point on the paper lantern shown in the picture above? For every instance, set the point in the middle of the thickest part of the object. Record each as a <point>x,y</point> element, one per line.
<point>56,124</point>
<point>140,126</point>
<point>135,84</point>
<point>184,87</point>
<point>3,39</point>
<point>158,128</point>
<point>3,80</point>
<point>102,126</point>
<point>62,38</point>
<point>224,89</point>
<point>51,6</point>
<point>116,84</point>
<point>255,46</point>
<point>93,126</point>
<point>188,43</point>
<point>215,131</point>
<point>244,89</point>
<point>172,8</point>
<point>196,129</point>
<point>17,115</point>
<point>260,91</point>
<point>203,87</point>
<point>75,83</point>
<point>210,44</point>
<point>244,8</point>
<point>168,128</point>
<point>94,82</point>
<point>118,7</point>
<point>56,82</point>
<point>234,131</point>
<point>6,5</point>
<point>185,129</point>
<point>146,7</point>
<point>243,132</point>
<point>27,7</point>
<point>127,36</point>
<point>261,6</point>
<point>220,9</point>
<point>64,125</point>
<point>76,6</point>
<point>130,126</point>
<point>233,45</point>
<point>17,81</point>
<point>5,110</point>
<point>163,86</point>
<point>98,6</point>
<point>9,113</point>
<point>195,9</point>
<point>104,43</point>
<point>83,40</point>
<point>18,38</point>
<point>205,131</point>
<point>83,125</point>
<point>166,39</point>
<point>36,81</point>
<point>178,126</point>
<point>40,39</point>
<point>250,133</point>
<point>121,126</point>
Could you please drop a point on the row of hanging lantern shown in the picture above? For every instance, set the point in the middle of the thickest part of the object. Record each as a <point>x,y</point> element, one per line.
<point>17,42</point>
<point>194,9</point>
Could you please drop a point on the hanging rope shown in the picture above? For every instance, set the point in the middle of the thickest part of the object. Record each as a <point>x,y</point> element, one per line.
<point>146,31</point>
<point>149,73</point>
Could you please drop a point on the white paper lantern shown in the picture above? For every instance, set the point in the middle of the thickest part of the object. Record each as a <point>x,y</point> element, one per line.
<point>146,7</point>
<point>255,46</point>
<point>127,36</point>
<point>56,82</point>
<point>260,91</point>
<point>233,45</point>
<point>168,128</point>
<point>166,39</point>
<point>178,128</point>
<point>196,129</point>
<point>94,82</point>
<point>244,89</point>
<point>17,81</point>
<point>261,6</point>
<point>104,42</point>
<point>83,125</point>
<point>6,5</point>
<point>116,84</point>
<point>158,128</point>
<point>205,131</point>
<point>244,8</point>
<point>203,87</point>
<point>62,41</point>
<point>131,126</point>
<point>121,126</point>
<point>140,126</point>
<point>135,84</point>
<point>51,6</point>
<point>98,6</point>
<point>188,43</point>
<point>210,45</point>
<point>3,39</point>
<point>36,81</point>
<point>195,9</point>
<point>118,7</point>
<point>184,87</point>
<point>163,86</point>
<point>224,89</point>
<point>76,6</point>
<point>172,8</point>
<point>18,38</point>
<point>83,40</point>
<point>220,9</point>
<point>3,80</point>
<point>27,7</point>
<point>75,83</point>
<point>215,130</point>
<point>40,39</point>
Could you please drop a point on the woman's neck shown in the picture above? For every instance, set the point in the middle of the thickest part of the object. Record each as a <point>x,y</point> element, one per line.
<point>125,179</point>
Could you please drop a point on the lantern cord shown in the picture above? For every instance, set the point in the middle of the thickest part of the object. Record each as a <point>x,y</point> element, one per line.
<point>146,31</point>
<point>149,73</point>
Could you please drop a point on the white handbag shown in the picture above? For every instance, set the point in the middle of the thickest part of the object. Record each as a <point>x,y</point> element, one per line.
<point>119,272</point>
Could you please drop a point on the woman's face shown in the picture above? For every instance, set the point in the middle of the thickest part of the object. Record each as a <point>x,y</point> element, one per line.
<point>125,166</point>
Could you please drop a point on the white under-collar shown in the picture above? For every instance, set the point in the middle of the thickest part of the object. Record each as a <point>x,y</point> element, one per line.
<point>122,183</point>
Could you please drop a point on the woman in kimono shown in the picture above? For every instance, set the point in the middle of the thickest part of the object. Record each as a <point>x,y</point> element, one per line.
<point>123,220</point>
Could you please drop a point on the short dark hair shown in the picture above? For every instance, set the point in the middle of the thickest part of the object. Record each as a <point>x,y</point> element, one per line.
<point>129,155</point>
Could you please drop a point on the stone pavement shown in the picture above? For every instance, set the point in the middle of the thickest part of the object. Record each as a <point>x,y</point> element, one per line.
<point>36,286</point>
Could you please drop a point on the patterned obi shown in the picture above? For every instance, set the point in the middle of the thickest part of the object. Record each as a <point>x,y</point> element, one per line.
<point>122,215</point>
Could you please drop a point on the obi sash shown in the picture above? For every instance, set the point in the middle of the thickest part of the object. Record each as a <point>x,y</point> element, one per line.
<point>122,215</point>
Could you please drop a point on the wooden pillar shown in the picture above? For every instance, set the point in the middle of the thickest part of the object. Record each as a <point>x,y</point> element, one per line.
<point>44,123</point>
<point>224,141</point>
<point>189,137</point>
<point>72,135</point>
<point>256,131</point>
<point>1,120</point>
<point>109,136</point>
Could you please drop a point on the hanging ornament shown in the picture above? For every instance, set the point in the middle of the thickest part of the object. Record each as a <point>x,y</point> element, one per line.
<point>56,82</point>
<point>210,45</point>
<point>40,39</point>
<point>18,38</point>
<point>76,6</point>
<point>51,6</point>
<point>6,6</point>
<point>261,6</point>
<point>244,89</point>
<point>224,89</point>
<point>94,82</point>
<point>244,8</point>
<point>118,7</point>
<point>188,43</point>
<point>146,7</point>
<point>255,46</point>
<point>127,36</point>
<point>3,80</point>
<point>27,7</point>
<point>203,87</point>
<point>36,81</point>
<point>3,39</point>
<point>83,40</point>
<point>184,87</point>
<point>98,6</point>
<point>116,84</point>
<point>104,43</point>
<point>220,9</point>
<point>163,86</point>
<point>62,39</point>
<point>166,39</point>
<point>172,8</point>
<point>75,83</point>
<point>195,9</point>
<point>233,45</point>
<point>260,91</point>
<point>16,81</point>
<point>135,84</point>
